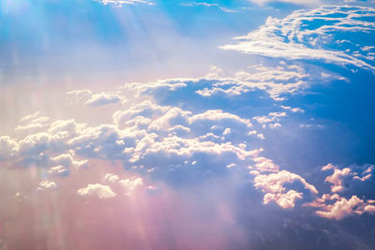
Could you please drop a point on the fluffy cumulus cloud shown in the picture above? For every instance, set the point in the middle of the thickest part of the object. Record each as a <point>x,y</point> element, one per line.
<point>346,177</point>
<point>97,190</point>
<point>334,34</point>
<point>343,180</point>
<point>139,134</point>
<point>128,185</point>
<point>182,145</point>
<point>273,183</point>
<point>337,207</point>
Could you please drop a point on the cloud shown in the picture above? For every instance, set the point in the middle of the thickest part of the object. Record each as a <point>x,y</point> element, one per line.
<point>344,178</point>
<point>129,184</point>
<point>218,115</point>
<point>341,207</point>
<point>8,147</point>
<point>179,144</point>
<point>311,35</point>
<point>102,99</point>
<point>111,178</point>
<point>97,190</point>
<point>140,133</point>
<point>191,4</point>
<point>68,160</point>
<point>279,82</point>
<point>33,121</point>
<point>294,110</point>
<point>273,187</point>
<point>298,2</point>
<point>284,200</point>
<point>272,117</point>
<point>264,164</point>
<point>273,183</point>
<point>119,3</point>
<point>94,99</point>
<point>47,185</point>
<point>338,206</point>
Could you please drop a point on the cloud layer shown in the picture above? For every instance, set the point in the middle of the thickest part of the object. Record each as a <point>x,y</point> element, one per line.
<point>334,34</point>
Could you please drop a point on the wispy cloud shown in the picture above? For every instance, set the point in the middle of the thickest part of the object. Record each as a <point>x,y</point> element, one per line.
<point>314,35</point>
<point>119,3</point>
<point>298,2</point>
<point>192,4</point>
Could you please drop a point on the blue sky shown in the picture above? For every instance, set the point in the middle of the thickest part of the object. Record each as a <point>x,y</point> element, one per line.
<point>187,124</point>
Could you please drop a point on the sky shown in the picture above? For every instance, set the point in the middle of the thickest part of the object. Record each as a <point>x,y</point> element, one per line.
<point>160,124</point>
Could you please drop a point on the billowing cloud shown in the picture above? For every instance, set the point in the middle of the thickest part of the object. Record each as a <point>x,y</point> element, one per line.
<point>97,190</point>
<point>111,178</point>
<point>341,178</point>
<point>182,144</point>
<point>8,147</point>
<point>274,182</point>
<point>337,207</point>
<point>139,134</point>
<point>128,185</point>
<point>329,33</point>
<point>273,185</point>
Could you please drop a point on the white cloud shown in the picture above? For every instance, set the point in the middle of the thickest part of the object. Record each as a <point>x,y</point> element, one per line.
<point>47,185</point>
<point>278,81</point>
<point>111,178</point>
<point>59,171</point>
<point>209,5</point>
<point>8,147</point>
<point>104,98</point>
<point>119,3</point>
<point>33,121</point>
<point>130,184</point>
<point>272,182</point>
<point>68,160</point>
<point>264,164</point>
<point>271,117</point>
<point>284,200</point>
<point>290,38</point>
<point>294,110</point>
<point>341,178</point>
<point>218,115</point>
<point>337,179</point>
<point>299,2</point>
<point>97,190</point>
<point>336,207</point>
